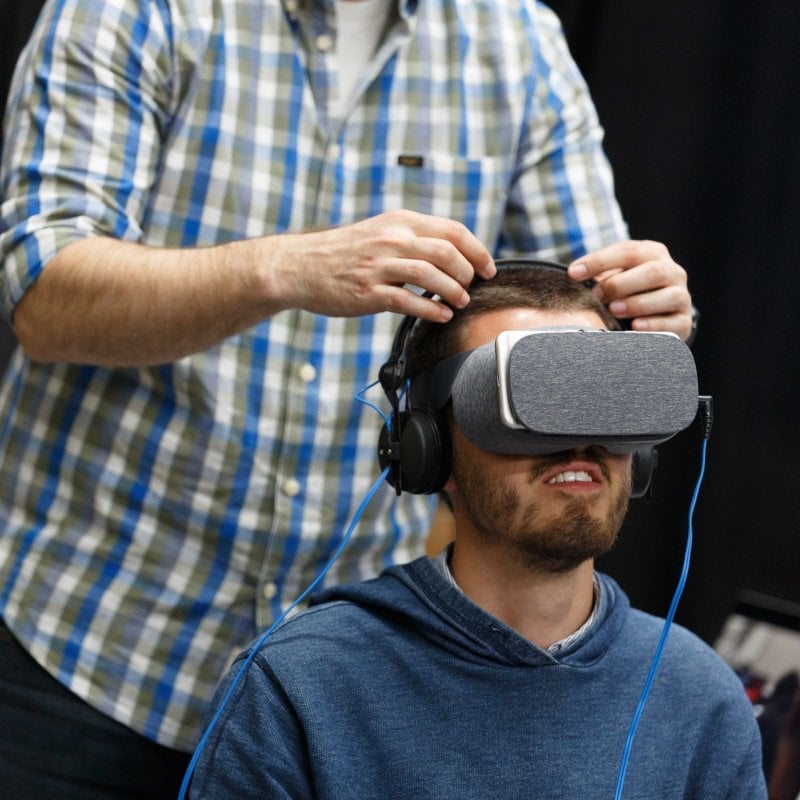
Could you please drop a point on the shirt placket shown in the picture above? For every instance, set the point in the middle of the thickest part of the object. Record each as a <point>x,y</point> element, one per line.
<point>313,26</point>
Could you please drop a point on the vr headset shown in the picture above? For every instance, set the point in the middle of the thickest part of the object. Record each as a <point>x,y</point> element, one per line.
<point>546,390</point>
<point>539,391</point>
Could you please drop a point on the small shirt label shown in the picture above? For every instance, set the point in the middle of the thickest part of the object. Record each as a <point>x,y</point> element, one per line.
<point>410,161</point>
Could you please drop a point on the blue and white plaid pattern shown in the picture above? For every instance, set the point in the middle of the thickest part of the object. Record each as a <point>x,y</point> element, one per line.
<point>154,520</point>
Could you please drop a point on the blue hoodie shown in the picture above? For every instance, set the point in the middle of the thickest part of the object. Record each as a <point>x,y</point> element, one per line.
<point>402,687</point>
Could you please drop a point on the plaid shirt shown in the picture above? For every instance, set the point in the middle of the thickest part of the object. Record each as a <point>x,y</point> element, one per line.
<point>154,520</point>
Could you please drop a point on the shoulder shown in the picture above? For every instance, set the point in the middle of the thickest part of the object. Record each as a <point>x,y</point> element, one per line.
<point>697,695</point>
<point>531,19</point>
<point>342,623</point>
<point>689,662</point>
<point>330,624</point>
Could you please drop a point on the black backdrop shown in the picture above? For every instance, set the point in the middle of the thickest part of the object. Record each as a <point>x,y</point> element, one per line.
<point>701,105</point>
<point>18,17</point>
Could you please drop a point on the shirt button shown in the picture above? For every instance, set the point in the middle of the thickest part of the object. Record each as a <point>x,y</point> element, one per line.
<point>269,590</point>
<point>335,152</point>
<point>307,373</point>
<point>324,42</point>
<point>291,487</point>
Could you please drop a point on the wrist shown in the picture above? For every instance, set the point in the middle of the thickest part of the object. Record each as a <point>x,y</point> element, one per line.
<point>266,259</point>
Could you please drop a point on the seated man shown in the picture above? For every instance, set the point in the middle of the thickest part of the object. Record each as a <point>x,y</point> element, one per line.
<point>504,668</point>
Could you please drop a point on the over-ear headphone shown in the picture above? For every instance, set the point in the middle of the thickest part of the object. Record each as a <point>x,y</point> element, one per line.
<point>415,442</point>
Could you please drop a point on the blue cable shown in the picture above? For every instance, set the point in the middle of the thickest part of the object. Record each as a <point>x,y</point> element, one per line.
<point>361,399</point>
<point>664,631</point>
<point>257,645</point>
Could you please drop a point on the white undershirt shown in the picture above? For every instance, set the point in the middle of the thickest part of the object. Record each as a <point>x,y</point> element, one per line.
<point>360,25</point>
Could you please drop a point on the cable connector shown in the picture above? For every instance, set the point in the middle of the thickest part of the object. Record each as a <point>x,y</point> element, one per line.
<point>706,402</point>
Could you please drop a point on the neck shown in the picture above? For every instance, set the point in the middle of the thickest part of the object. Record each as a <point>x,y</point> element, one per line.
<point>543,607</point>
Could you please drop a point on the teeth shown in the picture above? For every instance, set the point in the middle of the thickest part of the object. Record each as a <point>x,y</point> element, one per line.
<point>570,477</point>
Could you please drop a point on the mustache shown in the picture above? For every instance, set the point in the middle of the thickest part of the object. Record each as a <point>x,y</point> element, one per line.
<point>591,455</point>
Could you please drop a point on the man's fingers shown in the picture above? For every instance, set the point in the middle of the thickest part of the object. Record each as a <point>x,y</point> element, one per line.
<point>365,267</point>
<point>679,324</point>
<point>447,280</point>
<point>618,256</point>
<point>407,302</point>
<point>640,281</point>
<point>660,302</point>
<point>467,246</point>
<point>647,278</point>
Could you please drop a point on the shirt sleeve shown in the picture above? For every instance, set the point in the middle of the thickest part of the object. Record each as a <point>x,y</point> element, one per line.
<point>561,203</point>
<point>88,109</point>
<point>256,748</point>
<point>727,761</point>
<point>749,782</point>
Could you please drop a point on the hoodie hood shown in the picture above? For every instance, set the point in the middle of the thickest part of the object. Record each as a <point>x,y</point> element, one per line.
<point>420,594</point>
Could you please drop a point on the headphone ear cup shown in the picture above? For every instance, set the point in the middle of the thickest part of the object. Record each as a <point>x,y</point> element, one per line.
<point>424,457</point>
<point>645,461</point>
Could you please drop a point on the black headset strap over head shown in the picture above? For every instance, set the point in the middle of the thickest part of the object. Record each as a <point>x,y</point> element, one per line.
<point>523,264</point>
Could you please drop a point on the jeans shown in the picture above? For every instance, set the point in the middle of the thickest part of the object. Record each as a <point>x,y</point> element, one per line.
<point>53,746</point>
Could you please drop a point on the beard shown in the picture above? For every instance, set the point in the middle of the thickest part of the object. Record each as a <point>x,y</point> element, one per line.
<point>541,539</point>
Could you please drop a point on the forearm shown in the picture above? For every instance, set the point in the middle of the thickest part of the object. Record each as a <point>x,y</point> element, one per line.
<point>108,302</point>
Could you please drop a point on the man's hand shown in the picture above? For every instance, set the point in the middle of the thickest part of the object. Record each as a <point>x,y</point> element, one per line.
<point>640,281</point>
<point>369,266</point>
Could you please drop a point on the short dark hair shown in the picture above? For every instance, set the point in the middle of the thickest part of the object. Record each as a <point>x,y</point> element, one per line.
<point>518,284</point>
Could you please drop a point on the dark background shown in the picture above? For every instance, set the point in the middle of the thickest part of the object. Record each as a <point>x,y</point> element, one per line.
<point>701,105</point>
<point>17,18</point>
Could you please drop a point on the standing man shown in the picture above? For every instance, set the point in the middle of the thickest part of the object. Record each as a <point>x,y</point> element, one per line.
<point>209,207</point>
